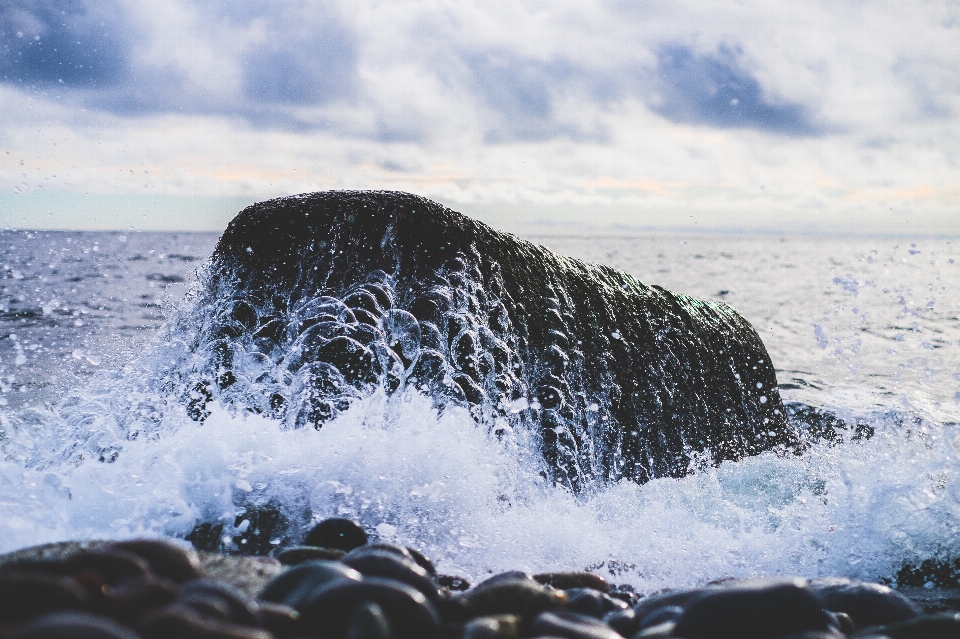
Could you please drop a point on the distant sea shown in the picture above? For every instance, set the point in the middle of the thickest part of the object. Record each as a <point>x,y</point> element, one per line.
<point>864,332</point>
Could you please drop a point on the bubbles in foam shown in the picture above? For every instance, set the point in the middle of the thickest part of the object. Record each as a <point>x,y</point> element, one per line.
<point>472,498</point>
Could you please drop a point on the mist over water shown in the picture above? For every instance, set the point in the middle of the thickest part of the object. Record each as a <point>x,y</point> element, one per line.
<point>864,329</point>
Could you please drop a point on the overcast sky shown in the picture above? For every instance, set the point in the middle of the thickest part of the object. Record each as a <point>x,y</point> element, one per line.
<point>796,115</point>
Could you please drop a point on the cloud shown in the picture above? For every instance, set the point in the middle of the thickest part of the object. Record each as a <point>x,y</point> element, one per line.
<point>716,90</point>
<point>302,66</point>
<point>69,42</point>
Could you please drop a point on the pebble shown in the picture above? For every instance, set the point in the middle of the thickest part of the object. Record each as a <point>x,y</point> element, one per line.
<point>338,586</point>
<point>336,533</point>
<point>867,604</point>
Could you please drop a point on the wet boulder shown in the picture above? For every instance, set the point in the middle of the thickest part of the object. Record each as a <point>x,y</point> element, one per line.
<point>615,378</point>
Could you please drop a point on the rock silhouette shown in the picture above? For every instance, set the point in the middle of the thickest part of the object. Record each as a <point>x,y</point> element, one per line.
<point>316,300</point>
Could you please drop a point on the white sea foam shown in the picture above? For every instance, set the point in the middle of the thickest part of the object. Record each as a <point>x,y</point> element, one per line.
<point>475,502</point>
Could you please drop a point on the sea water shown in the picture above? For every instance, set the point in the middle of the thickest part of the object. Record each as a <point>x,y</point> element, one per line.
<point>94,445</point>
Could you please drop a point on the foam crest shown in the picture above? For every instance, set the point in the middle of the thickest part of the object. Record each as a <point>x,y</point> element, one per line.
<point>473,499</point>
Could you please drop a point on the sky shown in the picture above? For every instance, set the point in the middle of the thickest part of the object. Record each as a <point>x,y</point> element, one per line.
<point>809,116</point>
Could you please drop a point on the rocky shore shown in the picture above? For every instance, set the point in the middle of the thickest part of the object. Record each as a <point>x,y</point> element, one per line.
<point>338,585</point>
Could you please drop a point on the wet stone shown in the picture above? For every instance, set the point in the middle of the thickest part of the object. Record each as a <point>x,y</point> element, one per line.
<point>336,533</point>
<point>218,600</point>
<point>659,616</point>
<point>368,621</point>
<point>25,594</point>
<point>868,604</point>
<point>572,626</point>
<point>293,555</point>
<point>73,625</point>
<point>493,627</point>
<point>293,586</point>
<point>380,563</point>
<point>523,597</point>
<point>592,603</point>
<point>281,620</point>
<point>182,621</point>
<point>941,626</point>
<point>753,611</point>
<point>565,580</point>
<point>328,610</point>
<point>176,562</point>
<point>135,597</point>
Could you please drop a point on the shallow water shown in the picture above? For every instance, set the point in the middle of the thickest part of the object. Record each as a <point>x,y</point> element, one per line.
<point>867,329</point>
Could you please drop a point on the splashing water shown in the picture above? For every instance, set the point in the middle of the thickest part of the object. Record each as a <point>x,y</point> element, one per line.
<point>119,456</point>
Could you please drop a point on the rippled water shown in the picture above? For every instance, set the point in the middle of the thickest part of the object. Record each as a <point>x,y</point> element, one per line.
<point>867,329</point>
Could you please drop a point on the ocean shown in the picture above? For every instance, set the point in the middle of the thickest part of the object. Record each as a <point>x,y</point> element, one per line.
<point>864,334</point>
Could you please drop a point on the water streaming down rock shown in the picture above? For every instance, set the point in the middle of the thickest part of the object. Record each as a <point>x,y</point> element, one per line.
<point>313,301</point>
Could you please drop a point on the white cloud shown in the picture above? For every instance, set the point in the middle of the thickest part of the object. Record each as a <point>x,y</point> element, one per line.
<point>806,109</point>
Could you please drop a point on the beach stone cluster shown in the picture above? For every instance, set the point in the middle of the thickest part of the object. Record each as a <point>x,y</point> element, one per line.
<point>339,585</point>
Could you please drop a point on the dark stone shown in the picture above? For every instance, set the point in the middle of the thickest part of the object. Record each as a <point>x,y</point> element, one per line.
<point>218,600</point>
<point>669,375</point>
<point>496,627</point>
<point>293,555</point>
<point>514,596</point>
<point>455,584</point>
<point>24,595</point>
<point>282,621</point>
<point>659,616</point>
<point>328,611</point>
<point>942,626</point>
<point>565,580</point>
<point>294,585</point>
<point>184,622</point>
<point>368,621</point>
<point>133,598</point>
<point>423,561</point>
<point>624,621</point>
<point>752,611</point>
<point>590,602</point>
<point>867,604</point>
<point>165,558</point>
<point>73,625</point>
<point>572,626</point>
<point>380,563</point>
<point>336,533</point>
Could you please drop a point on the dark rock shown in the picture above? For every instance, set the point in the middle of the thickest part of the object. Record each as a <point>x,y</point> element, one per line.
<point>670,375</point>
<point>572,626</point>
<point>624,621</point>
<point>73,625</point>
<point>218,600</point>
<point>294,555</point>
<point>282,621</point>
<point>565,580</point>
<point>381,563</point>
<point>336,533</point>
<point>753,611</point>
<point>135,597</point>
<point>423,561</point>
<point>942,626</point>
<point>328,611</point>
<point>368,621</point>
<point>496,627</point>
<point>24,595</point>
<point>450,582</point>
<point>294,585</point>
<point>165,558</point>
<point>667,598</point>
<point>523,597</point>
<point>590,602</point>
<point>184,622</point>
<point>659,616</point>
<point>867,604</point>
